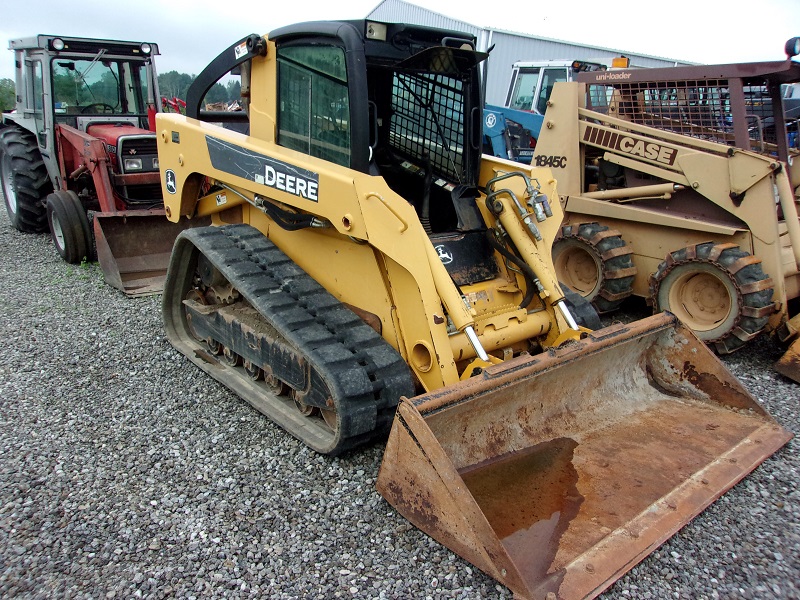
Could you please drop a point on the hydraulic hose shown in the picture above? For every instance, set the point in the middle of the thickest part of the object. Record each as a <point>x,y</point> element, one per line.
<point>527,273</point>
<point>287,220</point>
<point>425,216</point>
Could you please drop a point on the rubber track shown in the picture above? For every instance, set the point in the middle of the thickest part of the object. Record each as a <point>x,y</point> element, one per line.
<point>365,376</point>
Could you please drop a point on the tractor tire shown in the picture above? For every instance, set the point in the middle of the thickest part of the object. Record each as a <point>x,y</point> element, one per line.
<point>594,261</point>
<point>69,227</point>
<point>717,290</point>
<point>582,310</point>
<point>24,180</point>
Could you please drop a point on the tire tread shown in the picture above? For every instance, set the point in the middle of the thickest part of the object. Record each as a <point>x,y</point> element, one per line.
<point>30,179</point>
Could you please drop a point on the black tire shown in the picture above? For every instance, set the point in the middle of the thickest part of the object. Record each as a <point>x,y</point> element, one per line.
<point>717,290</point>
<point>24,179</point>
<point>69,227</point>
<point>582,310</point>
<point>594,261</point>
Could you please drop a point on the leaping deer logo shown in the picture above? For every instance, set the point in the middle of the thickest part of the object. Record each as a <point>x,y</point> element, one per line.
<point>444,254</point>
<point>171,185</point>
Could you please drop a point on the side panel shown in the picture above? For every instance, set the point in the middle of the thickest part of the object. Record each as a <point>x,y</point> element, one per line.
<point>356,207</point>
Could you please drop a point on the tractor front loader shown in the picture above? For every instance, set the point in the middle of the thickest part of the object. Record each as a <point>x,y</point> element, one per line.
<point>78,156</point>
<point>368,270</point>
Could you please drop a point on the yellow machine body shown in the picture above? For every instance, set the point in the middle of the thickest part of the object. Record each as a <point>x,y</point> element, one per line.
<point>551,457</point>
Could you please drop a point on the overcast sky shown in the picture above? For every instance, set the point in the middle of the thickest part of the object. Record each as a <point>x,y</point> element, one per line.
<point>190,33</point>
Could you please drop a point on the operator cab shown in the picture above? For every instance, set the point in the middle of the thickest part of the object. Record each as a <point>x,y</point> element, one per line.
<point>413,116</point>
<point>397,101</point>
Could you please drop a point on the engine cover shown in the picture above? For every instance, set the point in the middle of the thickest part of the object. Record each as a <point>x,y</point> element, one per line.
<point>125,141</point>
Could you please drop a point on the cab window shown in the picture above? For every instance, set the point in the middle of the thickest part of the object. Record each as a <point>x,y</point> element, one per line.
<point>549,78</point>
<point>96,86</point>
<point>36,101</point>
<point>524,89</point>
<point>313,103</point>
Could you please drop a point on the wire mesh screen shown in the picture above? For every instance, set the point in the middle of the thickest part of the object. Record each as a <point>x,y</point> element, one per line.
<point>427,121</point>
<point>699,109</point>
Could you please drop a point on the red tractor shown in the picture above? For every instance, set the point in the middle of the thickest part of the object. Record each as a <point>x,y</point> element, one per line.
<point>78,155</point>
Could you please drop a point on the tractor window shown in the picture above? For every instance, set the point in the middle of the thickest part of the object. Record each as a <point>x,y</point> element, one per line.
<point>524,89</point>
<point>38,102</point>
<point>97,86</point>
<point>38,87</point>
<point>549,78</point>
<point>599,97</point>
<point>313,107</point>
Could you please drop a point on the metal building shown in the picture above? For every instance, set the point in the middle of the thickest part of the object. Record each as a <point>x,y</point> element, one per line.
<point>510,47</point>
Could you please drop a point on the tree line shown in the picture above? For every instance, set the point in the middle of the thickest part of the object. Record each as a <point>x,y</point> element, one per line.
<point>171,85</point>
<point>175,85</point>
<point>7,100</point>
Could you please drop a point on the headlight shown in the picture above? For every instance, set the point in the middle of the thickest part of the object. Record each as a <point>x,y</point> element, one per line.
<point>145,47</point>
<point>133,164</point>
<point>57,44</point>
<point>792,47</point>
<point>155,163</point>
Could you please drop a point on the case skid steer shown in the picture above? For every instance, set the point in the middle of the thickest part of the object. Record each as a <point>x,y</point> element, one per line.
<point>368,270</point>
<point>680,186</point>
<point>81,141</point>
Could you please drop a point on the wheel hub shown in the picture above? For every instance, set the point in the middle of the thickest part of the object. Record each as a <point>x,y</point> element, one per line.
<point>8,186</point>
<point>578,270</point>
<point>702,298</point>
<point>58,232</point>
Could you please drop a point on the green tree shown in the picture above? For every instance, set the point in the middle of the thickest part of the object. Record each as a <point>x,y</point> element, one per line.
<point>7,94</point>
<point>65,86</point>
<point>234,88</point>
<point>106,91</point>
<point>174,85</point>
<point>217,93</point>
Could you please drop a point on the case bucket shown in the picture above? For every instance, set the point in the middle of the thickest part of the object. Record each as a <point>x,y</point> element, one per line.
<point>557,473</point>
<point>134,247</point>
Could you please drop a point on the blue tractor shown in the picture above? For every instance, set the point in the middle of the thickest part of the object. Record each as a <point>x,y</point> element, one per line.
<point>511,131</point>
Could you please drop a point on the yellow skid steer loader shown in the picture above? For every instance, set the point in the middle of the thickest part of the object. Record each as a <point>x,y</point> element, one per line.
<point>368,270</point>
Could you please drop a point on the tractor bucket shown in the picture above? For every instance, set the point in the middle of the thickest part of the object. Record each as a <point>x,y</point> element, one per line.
<point>557,473</point>
<point>133,248</point>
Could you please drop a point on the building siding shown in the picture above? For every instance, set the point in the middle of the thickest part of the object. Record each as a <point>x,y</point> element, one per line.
<point>509,47</point>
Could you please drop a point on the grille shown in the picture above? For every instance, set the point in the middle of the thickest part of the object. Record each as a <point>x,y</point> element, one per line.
<point>141,145</point>
<point>428,121</point>
<point>144,147</point>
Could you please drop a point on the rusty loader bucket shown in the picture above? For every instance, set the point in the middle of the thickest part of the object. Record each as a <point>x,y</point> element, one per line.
<point>133,248</point>
<point>557,473</point>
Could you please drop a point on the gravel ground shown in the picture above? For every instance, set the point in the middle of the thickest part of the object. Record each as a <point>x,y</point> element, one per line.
<point>125,472</point>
